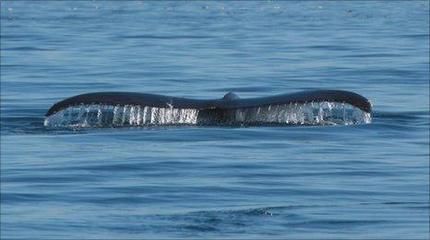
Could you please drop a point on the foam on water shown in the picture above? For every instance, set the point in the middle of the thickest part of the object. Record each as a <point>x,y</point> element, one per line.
<point>313,113</point>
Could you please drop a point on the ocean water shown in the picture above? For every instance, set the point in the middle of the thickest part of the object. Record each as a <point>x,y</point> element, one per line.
<point>365,181</point>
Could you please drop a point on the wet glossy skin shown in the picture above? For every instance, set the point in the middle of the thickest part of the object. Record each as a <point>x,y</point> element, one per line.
<point>228,102</point>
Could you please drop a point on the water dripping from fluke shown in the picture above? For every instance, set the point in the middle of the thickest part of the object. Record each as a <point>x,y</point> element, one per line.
<point>119,109</point>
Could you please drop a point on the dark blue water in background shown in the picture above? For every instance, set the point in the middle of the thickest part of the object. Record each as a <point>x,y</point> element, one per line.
<point>365,181</point>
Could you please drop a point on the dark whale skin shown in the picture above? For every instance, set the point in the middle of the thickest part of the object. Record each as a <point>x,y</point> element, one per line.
<point>229,102</point>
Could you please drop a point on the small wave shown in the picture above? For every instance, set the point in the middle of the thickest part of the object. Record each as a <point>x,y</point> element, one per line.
<point>165,37</point>
<point>25,48</point>
<point>313,113</point>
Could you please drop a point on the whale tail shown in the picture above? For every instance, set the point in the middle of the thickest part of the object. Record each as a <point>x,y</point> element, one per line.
<point>128,108</point>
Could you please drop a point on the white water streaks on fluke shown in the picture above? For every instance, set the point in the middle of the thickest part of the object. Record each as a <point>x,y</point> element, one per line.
<point>122,109</point>
<point>97,115</point>
<point>312,113</point>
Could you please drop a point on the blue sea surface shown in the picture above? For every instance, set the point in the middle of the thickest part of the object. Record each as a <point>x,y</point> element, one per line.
<point>298,182</point>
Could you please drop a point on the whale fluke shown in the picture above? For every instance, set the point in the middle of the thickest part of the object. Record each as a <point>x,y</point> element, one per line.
<point>142,108</point>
